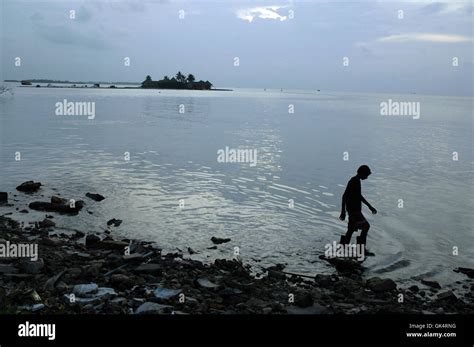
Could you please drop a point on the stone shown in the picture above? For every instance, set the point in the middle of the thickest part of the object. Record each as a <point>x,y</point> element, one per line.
<point>314,309</point>
<point>152,308</point>
<point>3,198</point>
<point>61,208</point>
<point>133,258</point>
<point>323,280</point>
<point>83,289</point>
<point>32,266</point>
<point>29,187</point>
<point>206,283</point>
<point>303,299</point>
<point>447,296</point>
<point>111,245</point>
<point>152,269</point>
<point>114,222</point>
<point>276,275</point>
<point>51,283</point>
<point>58,200</point>
<point>91,240</point>
<point>7,269</point>
<point>46,223</point>
<point>466,271</point>
<point>432,284</point>
<point>218,241</point>
<point>228,292</point>
<point>380,285</point>
<point>95,196</point>
<point>121,281</point>
<point>414,289</point>
<point>165,293</point>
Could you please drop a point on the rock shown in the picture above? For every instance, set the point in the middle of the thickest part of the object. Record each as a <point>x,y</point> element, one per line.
<point>114,222</point>
<point>29,187</point>
<point>32,267</point>
<point>51,283</point>
<point>314,309</point>
<point>256,303</point>
<point>276,275</point>
<point>111,245</point>
<point>466,271</point>
<point>7,269</point>
<point>432,284</point>
<point>191,251</point>
<point>121,281</point>
<point>61,208</point>
<point>206,283</point>
<point>83,289</point>
<point>414,289</point>
<point>303,299</point>
<point>447,296</point>
<point>99,295</point>
<point>165,293</point>
<point>152,269</point>
<point>58,200</point>
<point>133,258</point>
<point>91,240</point>
<point>46,223</point>
<point>213,247</point>
<point>95,196</point>
<point>218,241</point>
<point>380,285</point>
<point>277,267</point>
<point>32,308</point>
<point>228,292</point>
<point>24,211</point>
<point>3,198</point>
<point>152,308</point>
<point>323,280</point>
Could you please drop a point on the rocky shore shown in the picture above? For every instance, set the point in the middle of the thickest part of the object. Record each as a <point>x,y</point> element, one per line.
<point>80,272</point>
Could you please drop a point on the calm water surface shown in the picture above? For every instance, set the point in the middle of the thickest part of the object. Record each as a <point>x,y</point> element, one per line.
<point>173,156</point>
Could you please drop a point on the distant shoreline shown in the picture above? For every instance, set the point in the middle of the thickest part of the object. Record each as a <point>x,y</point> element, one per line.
<point>109,86</point>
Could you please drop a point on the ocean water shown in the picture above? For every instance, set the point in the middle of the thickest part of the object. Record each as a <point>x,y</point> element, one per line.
<point>300,156</point>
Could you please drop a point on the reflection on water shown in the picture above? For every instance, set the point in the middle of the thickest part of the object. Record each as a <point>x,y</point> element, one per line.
<point>173,157</point>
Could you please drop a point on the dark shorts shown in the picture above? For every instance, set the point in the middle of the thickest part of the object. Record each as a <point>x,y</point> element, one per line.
<point>357,220</point>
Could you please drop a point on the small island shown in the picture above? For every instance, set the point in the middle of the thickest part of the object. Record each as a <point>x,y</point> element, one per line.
<point>180,81</point>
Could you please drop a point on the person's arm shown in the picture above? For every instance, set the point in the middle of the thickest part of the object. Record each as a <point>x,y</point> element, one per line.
<point>371,208</point>
<point>343,208</point>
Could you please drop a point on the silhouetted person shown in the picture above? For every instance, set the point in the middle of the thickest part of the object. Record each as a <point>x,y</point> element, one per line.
<point>352,200</point>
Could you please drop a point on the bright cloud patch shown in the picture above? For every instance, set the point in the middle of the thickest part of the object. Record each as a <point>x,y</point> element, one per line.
<point>425,37</point>
<point>265,12</point>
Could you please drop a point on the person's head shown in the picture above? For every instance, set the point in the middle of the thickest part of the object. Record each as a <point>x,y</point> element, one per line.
<point>363,172</point>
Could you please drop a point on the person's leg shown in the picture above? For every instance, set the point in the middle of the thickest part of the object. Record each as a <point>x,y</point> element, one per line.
<point>362,239</point>
<point>346,239</point>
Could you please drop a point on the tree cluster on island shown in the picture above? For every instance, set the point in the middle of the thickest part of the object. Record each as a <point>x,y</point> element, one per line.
<point>180,81</point>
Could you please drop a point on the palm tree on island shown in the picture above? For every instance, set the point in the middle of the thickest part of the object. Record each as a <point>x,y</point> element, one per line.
<point>180,81</point>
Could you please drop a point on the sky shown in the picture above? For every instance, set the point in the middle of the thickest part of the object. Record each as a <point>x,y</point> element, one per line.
<point>414,46</point>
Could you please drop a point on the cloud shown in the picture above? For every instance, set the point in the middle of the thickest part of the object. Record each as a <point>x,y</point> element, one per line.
<point>65,35</point>
<point>424,37</point>
<point>37,17</point>
<point>83,14</point>
<point>264,12</point>
<point>448,7</point>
